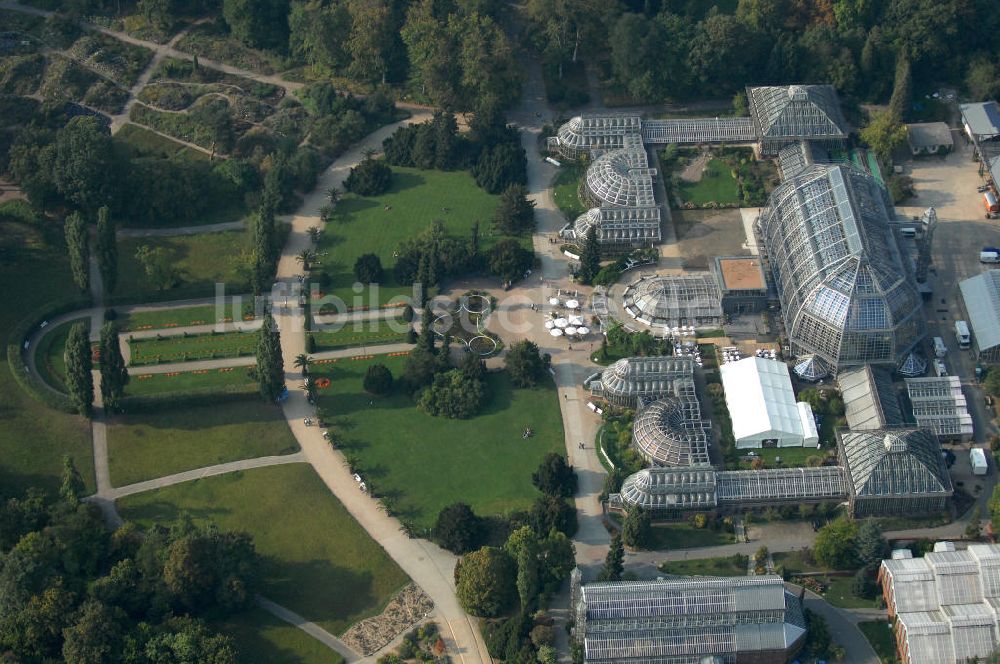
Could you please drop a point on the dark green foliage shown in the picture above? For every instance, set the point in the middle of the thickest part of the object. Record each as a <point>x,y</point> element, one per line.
<point>72,488</point>
<point>458,529</point>
<point>500,166</point>
<point>902,88</point>
<point>453,394</point>
<point>554,476</point>
<point>79,380</point>
<point>310,343</point>
<point>211,569</point>
<point>525,365</point>
<point>637,529</point>
<point>509,260</point>
<point>818,640</point>
<point>551,513</point>
<point>870,544</point>
<point>432,144</point>
<point>78,247</point>
<point>473,367</point>
<point>515,214</point>
<point>407,314</point>
<point>369,178</point>
<point>835,544</point>
<point>84,168</point>
<point>614,563</point>
<point>528,574</point>
<point>378,380</point>
<point>419,370</point>
<point>258,23</point>
<point>430,257</point>
<point>270,366</point>
<point>590,258</point>
<point>368,270</point>
<point>865,581</point>
<point>485,582</point>
<point>264,249</point>
<point>107,250</point>
<point>114,374</point>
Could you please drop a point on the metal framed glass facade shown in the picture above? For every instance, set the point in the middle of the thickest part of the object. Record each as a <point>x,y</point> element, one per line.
<point>672,300</point>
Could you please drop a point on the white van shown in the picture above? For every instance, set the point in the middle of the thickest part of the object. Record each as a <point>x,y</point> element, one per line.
<point>940,349</point>
<point>989,257</point>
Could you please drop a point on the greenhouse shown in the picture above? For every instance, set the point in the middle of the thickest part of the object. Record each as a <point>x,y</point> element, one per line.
<point>939,404</point>
<point>628,379</point>
<point>619,230</point>
<point>602,132</point>
<point>870,400</point>
<point>621,177</point>
<point>894,471</point>
<point>673,300</point>
<point>846,296</point>
<point>792,113</point>
<point>796,157</point>
<point>689,620</point>
<point>669,492</point>
<point>670,431</point>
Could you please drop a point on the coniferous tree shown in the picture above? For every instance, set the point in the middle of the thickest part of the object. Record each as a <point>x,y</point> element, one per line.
<point>107,249</point>
<point>270,366</point>
<point>264,248</point>
<point>114,374</point>
<point>474,240</point>
<point>590,259</point>
<point>72,487</point>
<point>79,250</point>
<point>426,339</point>
<point>515,213</point>
<point>79,380</point>
<point>528,573</point>
<point>614,563</point>
<point>637,529</point>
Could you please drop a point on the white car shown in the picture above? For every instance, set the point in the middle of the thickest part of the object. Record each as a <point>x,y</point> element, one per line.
<point>308,422</point>
<point>357,478</point>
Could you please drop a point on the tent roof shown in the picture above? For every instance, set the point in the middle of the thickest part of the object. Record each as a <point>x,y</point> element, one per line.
<point>982,300</point>
<point>760,398</point>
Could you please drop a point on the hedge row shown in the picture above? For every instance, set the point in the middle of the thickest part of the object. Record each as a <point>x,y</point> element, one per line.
<point>30,383</point>
<point>152,403</point>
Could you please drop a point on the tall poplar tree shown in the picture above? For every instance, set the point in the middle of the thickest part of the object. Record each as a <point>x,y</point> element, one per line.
<point>79,380</point>
<point>114,374</point>
<point>590,258</point>
<point>614,563</point>
<point>264,248</point>
<point>107,249</point>
<point>270,365</point>
<point>78,247</point>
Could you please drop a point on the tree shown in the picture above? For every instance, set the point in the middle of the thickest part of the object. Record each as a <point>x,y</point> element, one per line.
<point>515,214</point>
<point>270,366</point>
<point>835,544</point>
<point>212,569</point>
<point>369,178</point>
<point>264,248</point>
<point>614,563</point>
<point>79,380</point>
<point>96,637</point>
<point>371,41</point>
<point>35,632</point>
<point>902,88</point>
<point>528,574</point>
<point>509,260</point>
<point>107,249</point>
<point>84,165</point>
<point>426,330</point>
<point>378,380</point>
<point>258,23</point>
<point>368,269</point>
<point>590,257</point>
<point>500,166</point>
<point>158,13</point>
<point>158,266</point>
<point>870,544</point>
<point>114,374</point>
<point>983,78</point>
<point>419,368</point>
<point>458,529</point>
<point>550,513</point>
<point>485,582</point>
<point>317,34</point>
<point>884,134</point>
<point>554,476</point>
<point>525,366</point>
<point>974,529</point>
<point>637,531</point>
<point>72,488</point>
<point>78,247</point>
<point>302,361</point>
<point>454,395</point>
<point>865,584</point>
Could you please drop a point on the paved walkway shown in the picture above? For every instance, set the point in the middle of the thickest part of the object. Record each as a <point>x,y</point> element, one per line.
<point>843,629</point>
<point>310,628</point>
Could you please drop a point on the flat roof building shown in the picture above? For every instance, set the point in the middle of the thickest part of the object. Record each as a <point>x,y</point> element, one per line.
<point>688,621</point>
<point>981,296</point>
<point>939,405</point>
<point>742,282</point>
<point>762,405</point>
<point>945,604</point>
<point>929,138</point>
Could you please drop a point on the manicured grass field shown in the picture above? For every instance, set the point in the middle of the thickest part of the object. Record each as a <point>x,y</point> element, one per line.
<point>565,190</point>
<point>685,536</point>
<point>318,561</point>
<point>201,260</point>
<point>33,437</point>
<point>264,639</point>
<point>424,463</point>
<point>371,333</point>
<point>192,347</point>
<point>416,198</point>
<point>838,592</point>
<point>165,318</point>
<point>149,384</point>
<point>717,184</point>
<point>140,141</point>
<point>791,457</point>
<point>879,634</point>
<point>794,562</point>
<point>729,566</point>
<point>49,353</point>
<point>144,446</point>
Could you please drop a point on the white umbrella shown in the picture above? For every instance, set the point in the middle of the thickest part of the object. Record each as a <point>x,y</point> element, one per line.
<point>549,325</point>
<point>556,332</point>
<point>576,320</point>
<point>554,301</point>
<point>572,304</point>
<point>570,330</point>
<point>583,330</point>
<point>561,322</point>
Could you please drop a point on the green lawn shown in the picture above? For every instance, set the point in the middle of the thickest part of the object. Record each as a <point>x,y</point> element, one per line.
<point>879,634</point>
<point>686,536</point>
<point>201,260</point>
<point>192,347</point>
<point>178,383</point>
<point>717,184</point>
<point>729,566</point>
<point>424,463</point>
<point>565,190</point>
<point>49,354</point>
<point>164,318</point>
<point>416,198</point>
<point>838,592</point>
<point>371,333</point>
<point>318,560</point>
<point>141,142</point>
<point>791,457</point>
<point>264,639</point>
<point>144,446</point>
<point>794,562</point>
<point>33,438</point>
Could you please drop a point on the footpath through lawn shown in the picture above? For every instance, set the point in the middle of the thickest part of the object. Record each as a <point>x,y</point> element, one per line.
<point>318,561</point>
<point>266,639</point>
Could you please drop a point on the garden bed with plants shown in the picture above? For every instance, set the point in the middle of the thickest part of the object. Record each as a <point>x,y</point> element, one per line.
<point>190,347</point>
<point>728,177</point>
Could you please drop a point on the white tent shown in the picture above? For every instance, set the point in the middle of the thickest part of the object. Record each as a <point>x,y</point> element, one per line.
<point>562,322</point>
<point>571,330</point>
<point>556,332</point>
<point>549,324</point>
<point>583,330</point>
<point>572,304</point>
<point>554,301</point>
<point>576,321</point>
<point>762,405</point>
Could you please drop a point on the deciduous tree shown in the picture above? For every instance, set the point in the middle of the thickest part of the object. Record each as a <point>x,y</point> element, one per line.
<point>458,529</point>
<point>79,380</point>
<point>835,544</point>
<point>485,582</point>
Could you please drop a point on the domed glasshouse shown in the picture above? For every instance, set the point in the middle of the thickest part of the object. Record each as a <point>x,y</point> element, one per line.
<point>622,177</point>
<point>619,230</point>
<point>670,432</point>
<point>672,300</point>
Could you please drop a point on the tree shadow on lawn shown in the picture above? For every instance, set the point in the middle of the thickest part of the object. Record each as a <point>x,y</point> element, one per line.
<point>189,420</point>
<point>166,512</point>
<point>345,592</point>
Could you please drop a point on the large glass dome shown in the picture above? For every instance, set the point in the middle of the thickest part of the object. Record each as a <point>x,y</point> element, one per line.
<point>664,436</point>
<point>674,300</point>
<point>622,177</point>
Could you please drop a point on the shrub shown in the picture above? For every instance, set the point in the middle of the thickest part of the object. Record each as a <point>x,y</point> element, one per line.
<point>369,178</point>
<point>458,529</point>
<point>485,582</point>
<point>368,269</point>
<point>378,380</point>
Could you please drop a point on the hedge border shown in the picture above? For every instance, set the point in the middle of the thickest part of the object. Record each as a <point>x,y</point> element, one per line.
<point>30,383</point>
<point>152,403</point>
